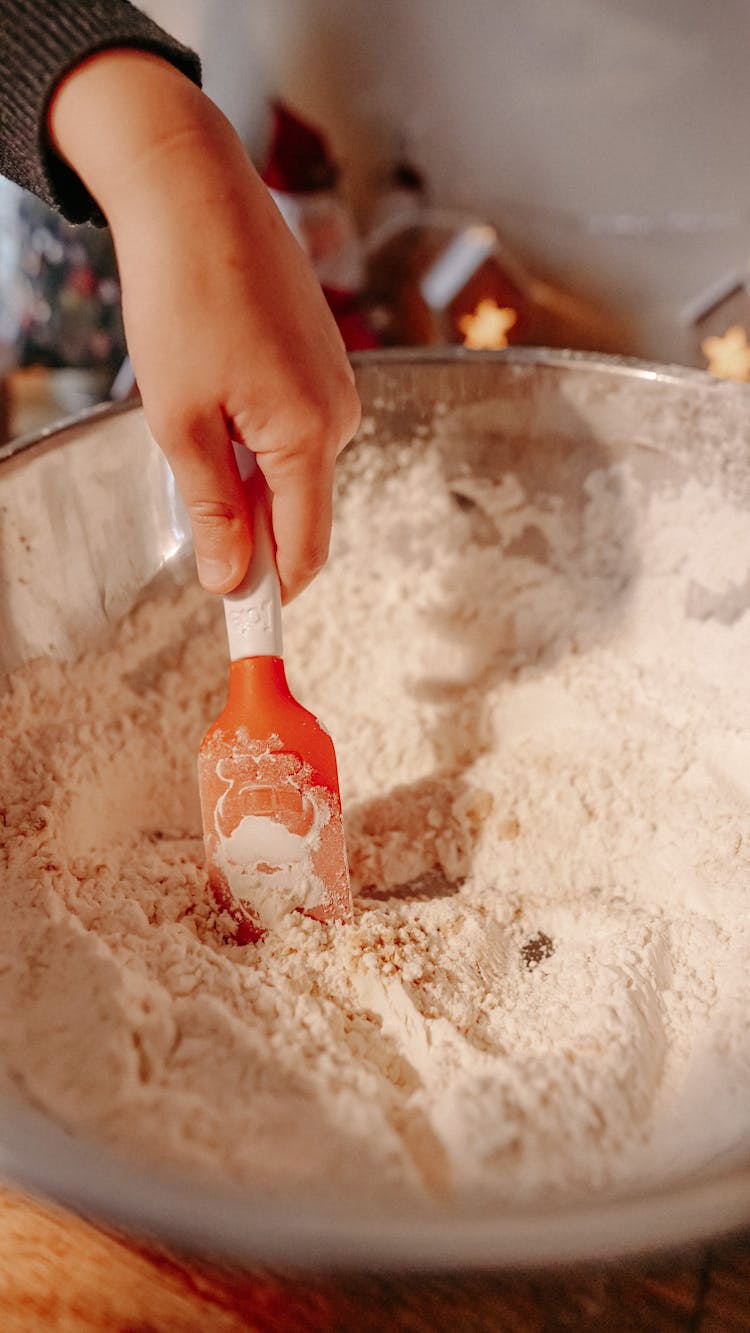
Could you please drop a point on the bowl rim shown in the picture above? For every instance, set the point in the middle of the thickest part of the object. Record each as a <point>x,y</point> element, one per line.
<point>629,367</point>
<point>310,1230</point>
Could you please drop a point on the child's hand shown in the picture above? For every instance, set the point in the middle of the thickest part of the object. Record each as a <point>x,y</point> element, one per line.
<point>228,332</point>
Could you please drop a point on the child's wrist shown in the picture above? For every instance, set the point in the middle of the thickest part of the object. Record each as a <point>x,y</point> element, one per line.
<point>123,118</point>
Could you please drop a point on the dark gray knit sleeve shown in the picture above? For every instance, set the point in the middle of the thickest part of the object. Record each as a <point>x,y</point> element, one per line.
<point>40,41</point>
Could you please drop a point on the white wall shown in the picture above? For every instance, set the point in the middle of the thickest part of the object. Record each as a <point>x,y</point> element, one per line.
<point>608,139</point>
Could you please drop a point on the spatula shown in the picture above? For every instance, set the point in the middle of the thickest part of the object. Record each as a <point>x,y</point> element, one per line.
<point>267,774</point>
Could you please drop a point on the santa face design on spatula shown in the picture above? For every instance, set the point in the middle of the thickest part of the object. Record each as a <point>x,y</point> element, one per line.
<point>267,820</point>
<point>274,834</point>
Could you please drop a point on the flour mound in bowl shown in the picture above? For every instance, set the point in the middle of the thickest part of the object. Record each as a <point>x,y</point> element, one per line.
<point>543,733</point>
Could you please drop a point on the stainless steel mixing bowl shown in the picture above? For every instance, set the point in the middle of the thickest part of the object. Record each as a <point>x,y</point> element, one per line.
<point>90,526</point>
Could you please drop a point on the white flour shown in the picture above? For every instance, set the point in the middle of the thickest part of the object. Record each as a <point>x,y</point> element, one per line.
<point>545,766</point>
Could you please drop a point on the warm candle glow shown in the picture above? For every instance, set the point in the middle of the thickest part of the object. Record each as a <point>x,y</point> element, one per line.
<point>728,357</point>
<point>488,327</point>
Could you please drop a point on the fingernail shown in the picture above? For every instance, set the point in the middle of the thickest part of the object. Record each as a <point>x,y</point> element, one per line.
<point>215,575</point>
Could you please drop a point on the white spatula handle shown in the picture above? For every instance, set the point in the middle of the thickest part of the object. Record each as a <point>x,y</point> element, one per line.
<point>253,610</point>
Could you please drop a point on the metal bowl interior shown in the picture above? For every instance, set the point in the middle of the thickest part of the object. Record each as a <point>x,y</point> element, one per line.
<point>90,527</point>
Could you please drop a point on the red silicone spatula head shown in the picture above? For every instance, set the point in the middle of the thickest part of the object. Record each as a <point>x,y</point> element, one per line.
<point>267,773</point>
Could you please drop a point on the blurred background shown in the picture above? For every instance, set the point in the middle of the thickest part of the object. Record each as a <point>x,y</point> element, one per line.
<point>555,172</point>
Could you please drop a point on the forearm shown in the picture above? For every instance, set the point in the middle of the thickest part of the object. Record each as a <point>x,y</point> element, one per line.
<point>123,118</point>
<point>42,41</point>
<point>180,194</point>
<point>228,331</point>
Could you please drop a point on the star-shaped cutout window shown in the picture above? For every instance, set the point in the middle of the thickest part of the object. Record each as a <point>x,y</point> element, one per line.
<point>728,356</point>
<point>488,326</point>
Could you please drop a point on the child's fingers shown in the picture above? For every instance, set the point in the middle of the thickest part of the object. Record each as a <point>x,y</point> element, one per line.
<point>301,514</point>
<point>200,454</point>
<point>297,450</point>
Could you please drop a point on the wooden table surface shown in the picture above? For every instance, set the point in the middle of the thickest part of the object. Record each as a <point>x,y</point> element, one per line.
<point>60,1273</point>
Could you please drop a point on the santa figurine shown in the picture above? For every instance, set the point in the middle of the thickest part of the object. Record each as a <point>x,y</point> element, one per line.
<point>303,178</point>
